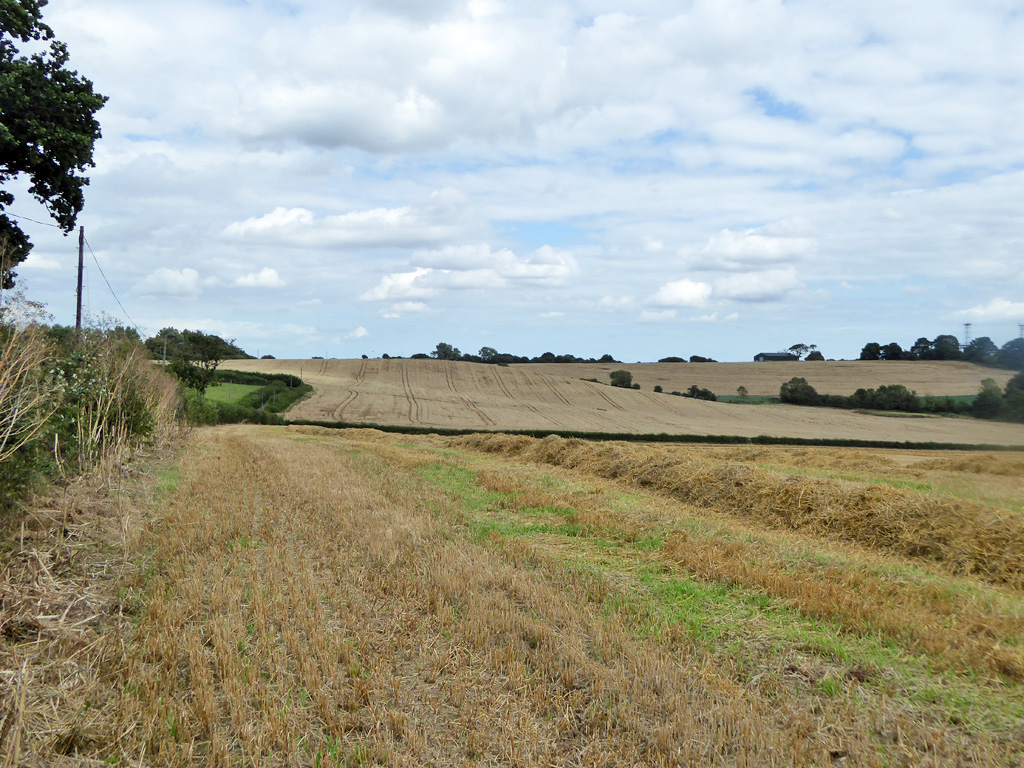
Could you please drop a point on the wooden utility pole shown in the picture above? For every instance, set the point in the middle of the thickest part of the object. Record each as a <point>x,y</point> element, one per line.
<point>81,268</point>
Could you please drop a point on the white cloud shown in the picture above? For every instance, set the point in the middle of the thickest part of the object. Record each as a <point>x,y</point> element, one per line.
<point>551,315</point>
<point>405,308</point>
<point>265,278</point>
<point>682,293</point>
<point>772,285</point>
<point>784,242</point>
<point>401,285</point>
<point>434,221</point>
<point>714,318</point>
<point>616,303</point>
<point>183,283</point>
<point>358,333</point>
<point>651,318</point>
<point>38,261</point>
<point>996,309</point>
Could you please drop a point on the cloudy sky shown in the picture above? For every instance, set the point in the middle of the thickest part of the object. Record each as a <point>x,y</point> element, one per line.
<point>652,178</point>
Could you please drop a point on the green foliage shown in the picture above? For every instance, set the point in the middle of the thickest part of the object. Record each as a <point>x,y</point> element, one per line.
<point>982,351</point>
<point>815,357</point>
<point>989,403</point>
<point>700,393</point>
<point>47,125</point>
<point>194,355</point>
<point>797,391</point>
<point>1011,355</point>
<point>742,391</point>
<point>622,379</point>
<point>872,351</point>
<point>658,388</point>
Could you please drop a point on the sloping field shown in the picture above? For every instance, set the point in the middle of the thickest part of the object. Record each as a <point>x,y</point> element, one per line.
<point>842,377</point>
<point>312,597</point>
<point>429,393</point>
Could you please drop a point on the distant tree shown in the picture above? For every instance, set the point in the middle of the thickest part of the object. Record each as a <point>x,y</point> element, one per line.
<point>923,349</point>
<point>989,402</point>
<point>672,360</point>
<point>385,356</point>
<point>1011,355</point>
<point>700,393</point>
<point>487,354</point>
<point>872,351</point>
<point>797,391</point>
<point>446,352</point>
<point>699,359</point>
<point>365,357</point>
<point>268,357</point>
<point>657,388</point>
<point>814,357</point>
<point>742,391</point>
<point>981,350</point>
<point>421,356</point>
<point>198,357</point>
<point>946,347</point>
<point>892,351</point>
<point>622,379</point>
<point>607,359</point>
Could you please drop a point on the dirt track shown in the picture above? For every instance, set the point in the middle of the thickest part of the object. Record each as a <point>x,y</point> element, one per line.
<point>471,396</point>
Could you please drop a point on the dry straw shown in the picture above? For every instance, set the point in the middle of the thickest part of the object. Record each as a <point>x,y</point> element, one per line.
<point>965,538</point>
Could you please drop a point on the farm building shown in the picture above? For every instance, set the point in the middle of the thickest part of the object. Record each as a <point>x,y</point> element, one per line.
<point>775,357</point>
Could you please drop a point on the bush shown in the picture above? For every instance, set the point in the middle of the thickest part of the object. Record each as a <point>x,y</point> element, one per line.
<point>797,391</point>
<point>657,388</point>
<point>622,379</point>
<point>700,393</point>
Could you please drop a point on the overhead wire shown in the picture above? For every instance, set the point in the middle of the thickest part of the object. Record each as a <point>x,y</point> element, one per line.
<point>134,324</point>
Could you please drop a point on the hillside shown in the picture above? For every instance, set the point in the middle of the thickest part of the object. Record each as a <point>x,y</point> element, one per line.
<point>466,395</point>
<point>842,377</point>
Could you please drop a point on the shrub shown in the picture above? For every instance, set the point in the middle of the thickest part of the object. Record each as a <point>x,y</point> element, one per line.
<point>700,393</point>
<point>797,391</point>
<point>622,379</point>
<point>657,388</point>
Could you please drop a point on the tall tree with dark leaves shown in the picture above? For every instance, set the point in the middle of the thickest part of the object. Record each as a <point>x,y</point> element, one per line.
<point>47,126</point>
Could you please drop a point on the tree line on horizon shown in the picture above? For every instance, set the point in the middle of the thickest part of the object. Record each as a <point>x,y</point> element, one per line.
<point>982,351</point>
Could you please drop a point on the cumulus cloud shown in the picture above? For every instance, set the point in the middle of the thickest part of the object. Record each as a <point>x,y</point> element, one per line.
<point>358,333</point>
<point>183,283</point>
<point>405,308</point>
<point>400,285</point>
<point>772,285</point>
<point>996,309</point>
<point>265,278</point>
<point>653,318</point>
<point>434,221</point>
<point>682,293</point>
<point>784,242</point>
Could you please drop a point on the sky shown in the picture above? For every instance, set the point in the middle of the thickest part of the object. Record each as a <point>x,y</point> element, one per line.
<point>643,179</point>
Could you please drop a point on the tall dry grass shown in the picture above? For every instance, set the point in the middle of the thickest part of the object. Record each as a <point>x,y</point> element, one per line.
<point>962,537</point>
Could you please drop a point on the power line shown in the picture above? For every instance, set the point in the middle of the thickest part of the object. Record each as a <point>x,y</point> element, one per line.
<point>34,221</point>
<point>136,327</point>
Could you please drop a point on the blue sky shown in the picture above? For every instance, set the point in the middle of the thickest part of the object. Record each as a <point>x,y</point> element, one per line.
<point>720,177</point>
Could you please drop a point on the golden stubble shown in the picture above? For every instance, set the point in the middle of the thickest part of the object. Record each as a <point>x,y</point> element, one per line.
<point>317,603</point>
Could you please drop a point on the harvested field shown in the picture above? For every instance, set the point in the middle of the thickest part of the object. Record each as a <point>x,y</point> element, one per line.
<point>840,377</point>
<point>468,396</point>
<point>306,597</point>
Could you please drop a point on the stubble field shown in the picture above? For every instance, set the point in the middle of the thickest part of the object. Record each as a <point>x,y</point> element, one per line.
<point>310,597</point>
<point>428,393</point>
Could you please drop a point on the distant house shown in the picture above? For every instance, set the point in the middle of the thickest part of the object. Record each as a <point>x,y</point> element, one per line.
<point>775,357</point>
